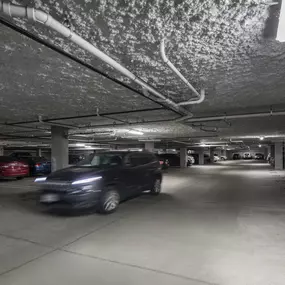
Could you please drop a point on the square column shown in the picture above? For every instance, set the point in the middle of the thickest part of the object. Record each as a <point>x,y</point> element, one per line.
<point>39,152</point>
<point>201,157</point>
<point>212,151</point>
<point>149,146</point>
<point>59,148</point>
<point>279,158</point>
<point>183,157</point>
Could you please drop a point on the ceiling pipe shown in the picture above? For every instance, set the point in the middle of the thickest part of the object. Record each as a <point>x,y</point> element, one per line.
<point>47,20</point>
<point>240,116</point>
<point>40,120</point>
<point>201,97</point>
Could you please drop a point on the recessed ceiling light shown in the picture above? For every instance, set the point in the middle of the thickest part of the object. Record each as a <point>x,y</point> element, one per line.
<point>281,25</point>
<point>134,132</point>
<point>261,138</point>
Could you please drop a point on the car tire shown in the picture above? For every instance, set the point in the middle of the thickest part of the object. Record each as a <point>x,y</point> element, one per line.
<point>156,187</point>
<point>109,201</point>
<point>19,178</point>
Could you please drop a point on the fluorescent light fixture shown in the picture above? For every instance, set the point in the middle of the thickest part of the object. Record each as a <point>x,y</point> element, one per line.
<point>281,25</point>
<point>134,132</point>
<point>88,146</point>
<point>87,180</point>
<point>80,144</point>
<point>203,145</point>
<point>40,179</point>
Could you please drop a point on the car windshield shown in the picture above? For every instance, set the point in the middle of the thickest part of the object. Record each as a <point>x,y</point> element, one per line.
<point>101,160</point>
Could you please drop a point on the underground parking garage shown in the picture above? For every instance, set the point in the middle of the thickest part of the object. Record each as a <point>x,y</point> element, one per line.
<point>185,93</point>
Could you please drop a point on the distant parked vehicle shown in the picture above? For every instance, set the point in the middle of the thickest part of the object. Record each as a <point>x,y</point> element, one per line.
<point>196,158</point>
<point>236,156</point>
<point>216,158</point>
<point>163,162</point>
<point>223,157</point>
<point>39,165</point>
<point>13,167</point>
<point>75,158</point>
<point>247,155</point>
<point>259,156</point>
<point>191,159</point>
<point>174,159</point>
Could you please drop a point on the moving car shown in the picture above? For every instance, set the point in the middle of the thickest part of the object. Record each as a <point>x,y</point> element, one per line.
<point>12,167</point>
<point>174,159</point>
<point>259,156</point>
<point>101,180</point>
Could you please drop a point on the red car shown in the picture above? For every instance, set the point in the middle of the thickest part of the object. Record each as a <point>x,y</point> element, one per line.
<point>11,167</point>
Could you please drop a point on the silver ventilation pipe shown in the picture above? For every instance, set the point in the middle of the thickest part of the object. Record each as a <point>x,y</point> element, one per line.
<point>201,97</point>
<point>47,20</point>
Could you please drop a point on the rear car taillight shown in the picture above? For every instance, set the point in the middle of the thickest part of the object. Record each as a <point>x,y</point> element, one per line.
<point>38,164</point>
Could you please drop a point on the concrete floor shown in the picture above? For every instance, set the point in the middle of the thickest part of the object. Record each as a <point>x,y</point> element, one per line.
<point>219,224</point>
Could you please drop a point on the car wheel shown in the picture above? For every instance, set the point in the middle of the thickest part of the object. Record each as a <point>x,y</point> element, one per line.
<point>109,202</point>
<point>156,188</point>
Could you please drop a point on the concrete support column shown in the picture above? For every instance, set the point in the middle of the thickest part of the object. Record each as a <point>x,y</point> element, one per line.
<point>272,150</point>
<point>39,152</point>
<point>149,146</point>
<point>201,157</point>
<point>183,157</point>
<point>59,148</point>
<point>279,155</point>
<point>212,151</point>
<point>1,150</point>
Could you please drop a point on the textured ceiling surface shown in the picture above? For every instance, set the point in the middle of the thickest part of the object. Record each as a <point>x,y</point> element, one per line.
<point>218,45</point>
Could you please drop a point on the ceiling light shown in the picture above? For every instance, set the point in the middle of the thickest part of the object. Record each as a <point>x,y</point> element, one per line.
<point>281,25</point>
<point>261,138</point>
<point>259,145</point>
<point>88,146</point>
<point>80,144</point>
<point>134,132</point>
<point>203,145</point>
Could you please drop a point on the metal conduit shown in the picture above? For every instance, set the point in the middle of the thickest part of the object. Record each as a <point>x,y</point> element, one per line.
<point>47,20</point>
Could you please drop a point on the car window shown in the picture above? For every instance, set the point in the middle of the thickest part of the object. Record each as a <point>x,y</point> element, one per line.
<point>101,160</point>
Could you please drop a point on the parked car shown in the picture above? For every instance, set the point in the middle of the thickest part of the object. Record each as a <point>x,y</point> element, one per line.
<point>236,156</point>
<point>216,158</point>
<point>39,165</point>
<point>102,180</point>
<point>247,155</point>
<point>191,159</point>
<point>196,158</point>
<point>163,162</point>
<point>223,157</point>
<point>12,167</point>
<point>174,159</point>
<point>259,156</point>
<point>75,158</point>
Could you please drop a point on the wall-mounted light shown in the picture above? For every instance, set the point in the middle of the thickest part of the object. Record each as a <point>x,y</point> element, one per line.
<point>281,25</point>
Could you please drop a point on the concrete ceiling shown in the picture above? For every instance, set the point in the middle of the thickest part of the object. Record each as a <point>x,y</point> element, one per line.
<point>220,45</point>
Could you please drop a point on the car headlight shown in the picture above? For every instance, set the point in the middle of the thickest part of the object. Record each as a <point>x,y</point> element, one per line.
<point>87,180</point>
<point>40,179</point>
